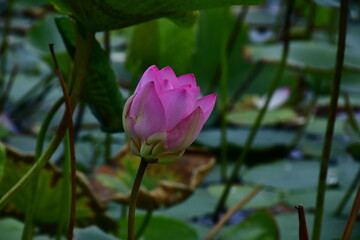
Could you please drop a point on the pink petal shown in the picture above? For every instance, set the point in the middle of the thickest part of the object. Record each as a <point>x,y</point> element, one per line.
<point>147,111</point>
<point>168,73</point>
<point>186,131</point>
<point>187,79</point>
<point>151,74</point>
<point>207,105</point>
<point>178,104</point>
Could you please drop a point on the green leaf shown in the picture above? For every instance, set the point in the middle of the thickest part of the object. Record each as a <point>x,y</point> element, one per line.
<point>303,55</point>
<point>276,116</point>
<point>163,41</point>
<point>105,15</point>
<point>101,91</point>
<point>161,227</point>
<point>328,3</point>
<point>44,32</point>
<point>260,225</point>
<point>262,199</point>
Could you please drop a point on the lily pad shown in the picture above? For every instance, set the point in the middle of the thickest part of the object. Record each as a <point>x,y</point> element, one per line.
<point>265,138</point>
<point>309,56</point>
<point>262,199</point>
<point>276,116</point>
<point>163,185</point>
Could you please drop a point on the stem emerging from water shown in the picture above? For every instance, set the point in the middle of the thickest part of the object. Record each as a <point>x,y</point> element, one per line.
<point>331,122</point>
<point>133,198</point>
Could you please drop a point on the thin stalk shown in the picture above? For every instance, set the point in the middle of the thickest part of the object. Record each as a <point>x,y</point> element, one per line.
<point>36,167</point>
<point>303,232</point>
<point>245,84</point>
<point>8,87</point>
<point>28,228</point>
<point>308,114</point>
<point>231,212</point>
<point>331,122</point>
<point>108,145</point>
<point>256,126</point>
<point>351,116</point>
<point>63,226</point>
<point>347,195</point>
<point>4,43</point>
<point>352,217</point>
<point>230,46</point>
<point>133,198</point>
<point>223,109</point>
<point>144,224</point>
<point>70,125</point>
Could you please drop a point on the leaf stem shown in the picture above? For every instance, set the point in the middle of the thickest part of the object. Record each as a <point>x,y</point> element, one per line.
<point>231,212</point>
<point>256,126</point>
<point>331,122</point>
<point>70,125</point>
<point>347,195</point>
<point>28,228</point>
<point>133,198</point>
<point>144,224</point>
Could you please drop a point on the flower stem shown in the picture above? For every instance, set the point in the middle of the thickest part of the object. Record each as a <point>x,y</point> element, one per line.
<point>133,198</point>
<point>256,126</point>
<point>331,122</point>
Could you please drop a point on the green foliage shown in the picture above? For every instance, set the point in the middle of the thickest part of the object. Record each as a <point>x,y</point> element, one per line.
<point>47,210</point>
<point>163,41</point>
<point>259,226</point>
<point>170,229</point>
<point>106,15</point>
<point>101,91</point>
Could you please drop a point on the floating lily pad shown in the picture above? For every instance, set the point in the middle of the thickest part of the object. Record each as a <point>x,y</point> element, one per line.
<point>163,185</point>
<point>276,116</point>
<point>312,56</point>
<point>92,233</point>
<point>262,199</point>
<point>265,138</point>
<point>47,210</point>
<point>285,175</point>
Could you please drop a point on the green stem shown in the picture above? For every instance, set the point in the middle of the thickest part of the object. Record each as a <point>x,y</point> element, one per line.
<point>36,167</point>
<point>144,224</point>
<point>108,144</point>
<point>223,107</point>
<point>254,129</point>
<point>28,228</point>
<point>4,42</point>
<point>347,195</point>
<point>133,198</point>
<point>331,122</point>
<point>63,226</point>
<point>308,114</point>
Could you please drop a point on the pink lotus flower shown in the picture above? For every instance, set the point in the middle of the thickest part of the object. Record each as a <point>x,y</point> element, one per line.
<point>164,115</point>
